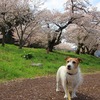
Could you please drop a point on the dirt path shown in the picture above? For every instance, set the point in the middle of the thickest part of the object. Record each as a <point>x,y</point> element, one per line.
<point>44,89</point>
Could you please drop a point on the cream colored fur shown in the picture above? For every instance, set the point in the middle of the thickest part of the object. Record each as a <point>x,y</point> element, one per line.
<point>74,80</point>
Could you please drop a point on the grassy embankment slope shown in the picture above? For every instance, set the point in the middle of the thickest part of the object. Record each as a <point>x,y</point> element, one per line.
<point>13,65</point>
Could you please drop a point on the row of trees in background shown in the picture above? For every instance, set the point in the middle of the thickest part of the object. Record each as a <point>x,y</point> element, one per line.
<point>18,16</point>
<point>78,24</point>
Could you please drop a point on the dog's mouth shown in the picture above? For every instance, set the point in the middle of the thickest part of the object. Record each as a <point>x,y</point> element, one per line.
<point>69,68</point>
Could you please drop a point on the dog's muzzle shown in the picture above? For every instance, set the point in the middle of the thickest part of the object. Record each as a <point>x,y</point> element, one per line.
<point>69,67</point>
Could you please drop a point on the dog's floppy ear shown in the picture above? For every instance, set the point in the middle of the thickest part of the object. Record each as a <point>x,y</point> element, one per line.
<point>67,57</point>
<point>79,59</point>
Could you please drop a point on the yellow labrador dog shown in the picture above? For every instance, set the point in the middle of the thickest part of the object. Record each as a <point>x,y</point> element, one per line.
<point>69,74</point>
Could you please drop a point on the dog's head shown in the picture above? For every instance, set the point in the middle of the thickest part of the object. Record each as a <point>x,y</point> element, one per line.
<point>72,63</point>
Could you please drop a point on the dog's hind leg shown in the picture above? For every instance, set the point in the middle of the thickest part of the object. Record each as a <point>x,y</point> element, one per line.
<point>57,81</point>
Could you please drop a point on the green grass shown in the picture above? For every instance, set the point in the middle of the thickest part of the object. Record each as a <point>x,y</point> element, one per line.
<point>13,65</point>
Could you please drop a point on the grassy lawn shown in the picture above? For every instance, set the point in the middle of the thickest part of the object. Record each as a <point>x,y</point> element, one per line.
<point>13,65</point>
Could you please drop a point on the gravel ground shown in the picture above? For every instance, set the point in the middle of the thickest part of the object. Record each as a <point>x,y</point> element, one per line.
<point>44,89</point>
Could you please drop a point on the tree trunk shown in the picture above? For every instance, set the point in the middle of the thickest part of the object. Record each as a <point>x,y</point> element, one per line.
<point>3,40</point>
<point>87,49</point>
<point>21,41</point>
<point>92,51</point>
<point>20,44</point>
<point>51,44</point>
<point>50,48</point>
<point>78,49</point>
<point>80,46</point>
<point>83,50</point>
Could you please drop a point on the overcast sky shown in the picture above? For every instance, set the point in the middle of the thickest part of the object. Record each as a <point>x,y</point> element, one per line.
<point>58,4</point>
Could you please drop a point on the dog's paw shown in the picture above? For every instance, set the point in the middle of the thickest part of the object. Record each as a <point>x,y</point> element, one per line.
<point>57,90</point>
<point>73,96</point>
<point>65,96</point>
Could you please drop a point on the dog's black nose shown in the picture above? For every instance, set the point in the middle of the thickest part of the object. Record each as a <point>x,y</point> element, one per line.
<point>69,67</point>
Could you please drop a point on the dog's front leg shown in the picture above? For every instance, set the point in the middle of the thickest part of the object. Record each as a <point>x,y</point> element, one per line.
<point>64,87</point>
<point>75,86</point>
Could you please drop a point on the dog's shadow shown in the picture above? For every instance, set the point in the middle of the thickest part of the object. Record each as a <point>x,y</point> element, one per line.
<point>80,96</point>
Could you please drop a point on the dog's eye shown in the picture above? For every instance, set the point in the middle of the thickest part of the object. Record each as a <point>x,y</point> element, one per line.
<point>67,61</point>
<point>74,62</point>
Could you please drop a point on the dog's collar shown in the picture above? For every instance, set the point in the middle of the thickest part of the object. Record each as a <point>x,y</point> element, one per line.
<point>71,73</point>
